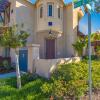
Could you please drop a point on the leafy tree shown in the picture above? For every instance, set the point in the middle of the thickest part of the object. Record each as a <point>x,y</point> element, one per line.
<point>79,45</point>
<point>95,36</point>
<point>97,5</point>
<point>14,39</point>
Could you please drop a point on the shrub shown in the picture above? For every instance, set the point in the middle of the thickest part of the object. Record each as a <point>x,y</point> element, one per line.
<point>6,64</point>
<point>69,81</point>
<point>93,57</point>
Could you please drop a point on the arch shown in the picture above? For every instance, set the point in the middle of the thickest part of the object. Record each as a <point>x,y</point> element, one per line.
<point>41,11</point>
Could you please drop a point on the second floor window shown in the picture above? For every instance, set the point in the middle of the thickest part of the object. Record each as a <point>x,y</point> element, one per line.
<point>50,9</point>
<point>59,12</point>
<point>41,12</point>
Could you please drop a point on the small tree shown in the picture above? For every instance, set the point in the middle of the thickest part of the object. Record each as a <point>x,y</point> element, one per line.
<point>83,42</point>
<point>13,39</point>
<point>79,45</point>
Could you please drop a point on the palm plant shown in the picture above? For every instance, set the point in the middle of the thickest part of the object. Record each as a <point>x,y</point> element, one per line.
<point>15,40</point>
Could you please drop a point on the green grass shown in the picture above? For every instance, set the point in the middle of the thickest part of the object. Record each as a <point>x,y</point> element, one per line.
<point>70,80</point>
<point>31,88</point>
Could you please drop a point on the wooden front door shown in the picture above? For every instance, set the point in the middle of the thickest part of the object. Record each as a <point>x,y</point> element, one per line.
<point>50,48</point>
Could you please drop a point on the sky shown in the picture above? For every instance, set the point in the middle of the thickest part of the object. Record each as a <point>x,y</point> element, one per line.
<point>83,26</point>
<point>95,23</point>
<point>66,1</point>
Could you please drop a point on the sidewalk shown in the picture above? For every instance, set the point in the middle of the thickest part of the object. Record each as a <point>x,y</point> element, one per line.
<point>8,75</point>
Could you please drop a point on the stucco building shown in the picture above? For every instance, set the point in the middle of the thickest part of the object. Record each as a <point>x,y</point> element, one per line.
<point>51,24</point>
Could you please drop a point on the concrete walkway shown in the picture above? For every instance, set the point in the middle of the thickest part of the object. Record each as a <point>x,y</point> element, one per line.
<point>8,75</point>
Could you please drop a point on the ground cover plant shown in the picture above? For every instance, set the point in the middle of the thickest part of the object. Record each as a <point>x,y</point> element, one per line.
<point>68,81</point>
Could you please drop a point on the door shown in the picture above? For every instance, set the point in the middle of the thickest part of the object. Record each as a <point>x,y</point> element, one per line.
<point>50,48</point>
<point>23,60</point>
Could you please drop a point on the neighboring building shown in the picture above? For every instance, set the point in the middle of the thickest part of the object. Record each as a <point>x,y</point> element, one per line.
<point>51,23</point>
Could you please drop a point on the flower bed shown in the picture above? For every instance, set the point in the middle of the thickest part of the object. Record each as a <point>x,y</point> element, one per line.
<point>4,70</point>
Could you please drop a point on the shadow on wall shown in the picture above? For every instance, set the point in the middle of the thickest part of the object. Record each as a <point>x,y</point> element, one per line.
<point>45,67</point>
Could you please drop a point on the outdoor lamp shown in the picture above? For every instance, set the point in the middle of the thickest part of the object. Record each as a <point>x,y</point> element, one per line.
<point>50,32</point>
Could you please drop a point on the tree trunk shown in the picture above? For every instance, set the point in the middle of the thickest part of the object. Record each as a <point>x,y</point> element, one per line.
<point>17,69</point>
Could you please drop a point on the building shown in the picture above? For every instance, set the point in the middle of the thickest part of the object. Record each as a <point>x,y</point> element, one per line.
<point>51,24</point>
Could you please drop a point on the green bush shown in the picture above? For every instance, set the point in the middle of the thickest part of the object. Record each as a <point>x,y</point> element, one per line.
<point>69,80</point>
<point>6,64</point>
<point>93,57</point>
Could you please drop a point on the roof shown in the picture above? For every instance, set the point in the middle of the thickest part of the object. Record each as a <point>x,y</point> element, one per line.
<point>64,1</point>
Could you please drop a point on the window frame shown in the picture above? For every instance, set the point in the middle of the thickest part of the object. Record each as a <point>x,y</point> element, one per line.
<point>5,16</point>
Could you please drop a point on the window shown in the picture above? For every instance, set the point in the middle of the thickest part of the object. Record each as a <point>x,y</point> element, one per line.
<point>41,12</point>
<point>50,9</point>
<point>5,16</point>
<point>7,52</point>
<point>58,12</point>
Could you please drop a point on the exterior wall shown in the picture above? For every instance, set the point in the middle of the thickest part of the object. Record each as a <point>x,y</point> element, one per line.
<point>12,14</point>
<point>33,53</point>
<point>70,29</point>
<point>42,23</point>
<point>45,67</point>
<point>25,17</point>
<point>59,43</point>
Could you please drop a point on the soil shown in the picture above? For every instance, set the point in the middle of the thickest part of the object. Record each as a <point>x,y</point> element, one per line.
<point>4,70</point>
<point>95,95</point>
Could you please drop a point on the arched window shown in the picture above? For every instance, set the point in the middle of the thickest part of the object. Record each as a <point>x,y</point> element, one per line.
<point>41,12</point>
<point>59,12</point>
<point>50,9</point>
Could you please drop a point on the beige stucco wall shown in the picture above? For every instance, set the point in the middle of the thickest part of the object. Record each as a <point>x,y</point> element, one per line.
<point>25,17</point>
<point>59,43</point>
<point>12,14</point>
<point>68,30</point>
<point>33,53</point>
<point>42,23</point>
<point>45,67</point>
<point>70,25</point>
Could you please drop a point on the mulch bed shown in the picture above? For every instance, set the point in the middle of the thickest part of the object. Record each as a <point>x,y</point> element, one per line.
<point>95,95</point>
<point>4,70</point>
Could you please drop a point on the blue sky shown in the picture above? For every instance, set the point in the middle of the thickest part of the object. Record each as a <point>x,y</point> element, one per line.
<point>66,1</point>
<point>95,23</point>
<point>83,23</point>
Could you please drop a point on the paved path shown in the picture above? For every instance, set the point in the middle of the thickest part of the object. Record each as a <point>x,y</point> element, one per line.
<point>7,75</point>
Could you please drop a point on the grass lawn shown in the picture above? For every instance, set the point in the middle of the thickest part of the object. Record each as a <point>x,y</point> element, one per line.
<point>69,80</point>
